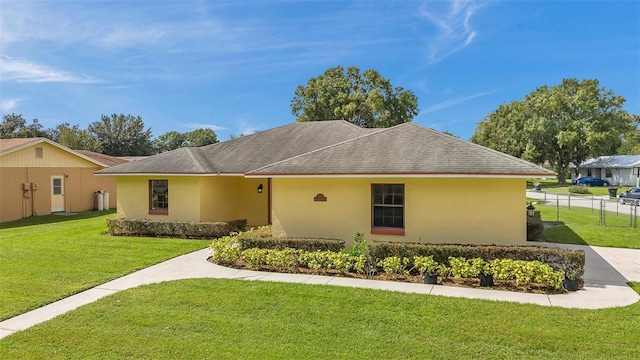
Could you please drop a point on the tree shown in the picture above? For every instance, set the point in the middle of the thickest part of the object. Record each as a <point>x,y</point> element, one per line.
<point>367,99</point>
<point>122,135</point>
<point>15,126</point>
<point>74,138</point>
<point>631,143</point>
<point>173,140</point>
<point>563,124</point>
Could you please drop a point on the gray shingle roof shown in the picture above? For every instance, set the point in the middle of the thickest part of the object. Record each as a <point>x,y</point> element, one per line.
<point>404,149</point>
<point>246,153</point>
<point>336,148</point>
<point>615,161</point>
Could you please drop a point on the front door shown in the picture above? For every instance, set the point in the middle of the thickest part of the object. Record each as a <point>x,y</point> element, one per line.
<point>57,193</point>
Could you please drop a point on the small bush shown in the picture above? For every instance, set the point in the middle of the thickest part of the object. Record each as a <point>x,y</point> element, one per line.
<point>394,265</point>
<point>255,258</point>
<point>225,250</point>
<point>579,189</point>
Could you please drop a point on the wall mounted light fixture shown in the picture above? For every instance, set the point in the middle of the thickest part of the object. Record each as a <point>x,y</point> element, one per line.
<point>260,189</point>
<point>531,210</point>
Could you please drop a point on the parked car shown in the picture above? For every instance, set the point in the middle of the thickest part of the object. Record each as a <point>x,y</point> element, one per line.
<point>590,181</point>
<point>631,196</point>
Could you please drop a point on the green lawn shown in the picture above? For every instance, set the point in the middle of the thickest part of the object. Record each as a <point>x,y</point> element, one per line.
<point>47,258</point>
<point>581,226</point>
<point>235,319</point>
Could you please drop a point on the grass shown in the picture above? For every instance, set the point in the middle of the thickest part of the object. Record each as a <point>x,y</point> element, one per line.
<point>235,319</point>
<point>47,258</point>
<point>581,226</point>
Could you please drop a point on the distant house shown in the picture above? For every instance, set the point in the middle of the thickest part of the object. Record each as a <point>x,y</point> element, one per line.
<point>617,169</point>
<point>332,179</point>
<point>39,176</point>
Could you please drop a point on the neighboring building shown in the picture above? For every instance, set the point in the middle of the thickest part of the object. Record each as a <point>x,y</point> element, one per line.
<point>332,179</point>
<point>617,169</point>
<point>39,176</point>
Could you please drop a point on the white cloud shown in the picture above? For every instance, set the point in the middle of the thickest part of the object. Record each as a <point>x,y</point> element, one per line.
<point>8,104</point>
<point>25,71</point>
<point>454,26</point>
<point>196,125</point>
<point>455,101</point>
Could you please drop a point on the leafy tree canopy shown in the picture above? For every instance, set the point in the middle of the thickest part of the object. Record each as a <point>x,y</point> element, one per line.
<point>562,124</point>
<point>122,135</point>
<point>365,99</point>
<point>173,140</point>
<point>74,138</point>
<point>15,126</point>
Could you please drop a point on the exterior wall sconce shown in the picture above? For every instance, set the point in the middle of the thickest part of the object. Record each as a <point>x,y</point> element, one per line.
<point>531,210</point>
<point>260,189</point>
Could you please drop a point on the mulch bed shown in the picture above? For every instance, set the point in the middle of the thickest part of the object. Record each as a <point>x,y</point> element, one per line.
<point>504,285</point>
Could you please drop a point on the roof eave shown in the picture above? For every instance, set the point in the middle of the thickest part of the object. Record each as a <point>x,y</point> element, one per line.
<point>406,175</point>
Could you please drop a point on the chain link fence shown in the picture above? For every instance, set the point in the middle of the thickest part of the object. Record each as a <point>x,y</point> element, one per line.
<point>607,211</point>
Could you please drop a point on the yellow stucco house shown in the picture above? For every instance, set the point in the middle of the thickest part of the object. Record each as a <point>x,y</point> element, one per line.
<point>39,176</point>
<point>332,179</point>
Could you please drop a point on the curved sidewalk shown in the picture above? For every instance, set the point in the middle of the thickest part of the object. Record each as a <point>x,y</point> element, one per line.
<point>606,274</point>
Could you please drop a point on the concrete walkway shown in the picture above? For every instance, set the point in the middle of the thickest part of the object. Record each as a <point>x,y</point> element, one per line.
<point>607,271</point>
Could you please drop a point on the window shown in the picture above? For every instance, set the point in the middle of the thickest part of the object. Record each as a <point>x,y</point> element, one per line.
<point>39,153</point>
<point>608,173</point>
<point>158,196</point>
<point>57,186</point>
<point>387,209</point>
<point>588,172</point>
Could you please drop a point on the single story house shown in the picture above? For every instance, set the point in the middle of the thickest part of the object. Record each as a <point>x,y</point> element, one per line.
<point>39,176</point>
<point>332,179</point>
<point>617,169</point>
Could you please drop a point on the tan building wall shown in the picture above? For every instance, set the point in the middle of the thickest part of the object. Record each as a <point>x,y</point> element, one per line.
<point>474,211</point>
<point>193,198</point>
<point>23,167</point>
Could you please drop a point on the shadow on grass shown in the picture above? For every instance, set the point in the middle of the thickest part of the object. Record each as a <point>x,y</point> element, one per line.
<point>560,233</point>
<point>54,218</point>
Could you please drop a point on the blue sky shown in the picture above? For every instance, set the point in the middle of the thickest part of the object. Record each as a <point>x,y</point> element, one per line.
<point>234,66</point>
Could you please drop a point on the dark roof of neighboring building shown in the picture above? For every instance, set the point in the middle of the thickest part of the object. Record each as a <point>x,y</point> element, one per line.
<point>404,149</point>
<point>336,148</point>
<point>614,161</point>
<point>105,159</point>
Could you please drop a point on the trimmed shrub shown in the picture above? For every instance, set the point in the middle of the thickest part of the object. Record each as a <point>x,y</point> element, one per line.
<point>559,259</point>
<point>177,229</point>
<point>247,241</point>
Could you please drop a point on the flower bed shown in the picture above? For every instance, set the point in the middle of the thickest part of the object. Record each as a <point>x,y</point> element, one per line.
<point>500,273</point>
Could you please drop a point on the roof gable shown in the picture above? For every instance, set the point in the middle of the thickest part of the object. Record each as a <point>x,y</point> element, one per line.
<point>8,146</point>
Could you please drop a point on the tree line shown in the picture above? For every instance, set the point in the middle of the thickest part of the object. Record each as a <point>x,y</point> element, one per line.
<point>563,124</point>
<point>560,125</point>
<point>115,135</point>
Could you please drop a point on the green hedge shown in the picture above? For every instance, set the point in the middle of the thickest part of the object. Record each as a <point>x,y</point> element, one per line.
<point>559,259</point>
<point>178,229</point>
<point>247,241</point>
